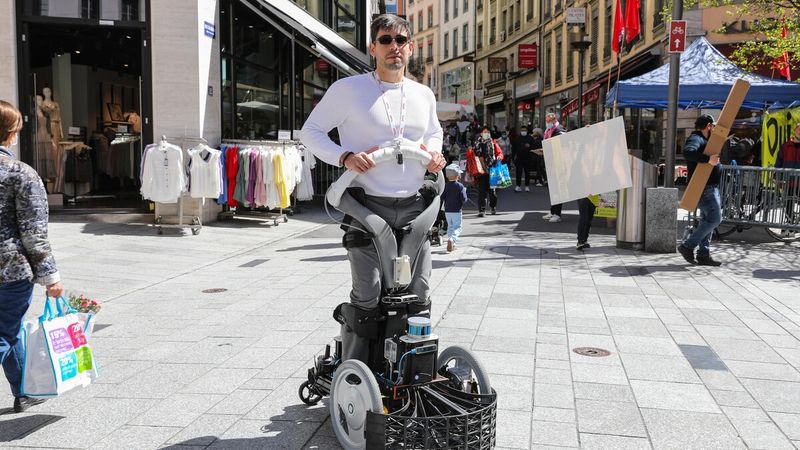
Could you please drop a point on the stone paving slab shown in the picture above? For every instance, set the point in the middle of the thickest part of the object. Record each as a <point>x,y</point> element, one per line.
<point>182,369</point>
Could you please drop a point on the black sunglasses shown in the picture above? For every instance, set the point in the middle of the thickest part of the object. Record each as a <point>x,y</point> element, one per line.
<point>387,39</point>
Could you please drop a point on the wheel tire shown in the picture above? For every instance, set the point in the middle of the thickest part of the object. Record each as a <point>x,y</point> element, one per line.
<point>307,395</point>
<point>195,231</point>
<point>354,392</point>
<point>462,355</point>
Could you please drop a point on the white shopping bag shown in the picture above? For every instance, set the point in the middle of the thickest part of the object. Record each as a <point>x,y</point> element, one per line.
<point>57,353</point>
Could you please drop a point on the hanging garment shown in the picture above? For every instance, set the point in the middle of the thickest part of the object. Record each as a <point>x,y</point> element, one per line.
<point>305,188</point>
<point>223,179</point>
<point>281,180</point>
<point>163,173</point>
<point>232,170</point>
<point>204,172</point>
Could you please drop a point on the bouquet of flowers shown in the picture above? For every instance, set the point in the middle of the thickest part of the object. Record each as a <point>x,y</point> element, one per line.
<point>84,304</point>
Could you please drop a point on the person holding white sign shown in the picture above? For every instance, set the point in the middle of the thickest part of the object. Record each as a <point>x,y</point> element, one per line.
<point>553,129</point>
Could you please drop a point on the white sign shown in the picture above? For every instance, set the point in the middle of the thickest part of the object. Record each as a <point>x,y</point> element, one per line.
<point>576,16</point>
<point>284,135</point>
<point>296,134</point>
<point>587,161</point>
<point>74,131</point>
<point>122,128</point>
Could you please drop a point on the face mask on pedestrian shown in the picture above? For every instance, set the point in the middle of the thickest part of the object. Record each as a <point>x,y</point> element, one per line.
<point>523,133</point>
<point>550,125</point>
<point>486,136</point>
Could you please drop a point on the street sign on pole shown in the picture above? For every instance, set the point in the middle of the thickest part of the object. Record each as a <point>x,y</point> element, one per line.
<point>576,16</point>
<point>677,36</point>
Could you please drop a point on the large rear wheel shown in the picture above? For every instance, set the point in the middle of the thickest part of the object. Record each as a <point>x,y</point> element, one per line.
<point>464,370</point>
<point>354,392</point>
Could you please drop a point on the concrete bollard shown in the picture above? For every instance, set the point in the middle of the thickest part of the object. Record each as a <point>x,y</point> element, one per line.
<point>661,223</point>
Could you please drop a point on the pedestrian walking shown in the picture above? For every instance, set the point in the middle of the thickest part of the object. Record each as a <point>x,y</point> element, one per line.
<point>382,107</point>
<point>553,129</point>
<point>537,159</point>
<point>488,153</point>
<point>25,254</point>
<point>709,205</point>
<point>454,197</point>
<point>523,155</point>
<point>586,209</point>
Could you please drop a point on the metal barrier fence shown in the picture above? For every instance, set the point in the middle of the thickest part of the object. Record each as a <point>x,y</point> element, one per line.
<point>324,176</point>
<point>761,196</point>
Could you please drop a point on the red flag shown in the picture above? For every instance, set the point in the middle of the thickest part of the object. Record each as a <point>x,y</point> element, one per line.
<point>633,27</point>
<point>781,63</point>
<point>616,34</point>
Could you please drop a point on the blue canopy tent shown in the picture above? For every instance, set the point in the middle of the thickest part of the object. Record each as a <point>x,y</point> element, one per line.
<point>705,81</point>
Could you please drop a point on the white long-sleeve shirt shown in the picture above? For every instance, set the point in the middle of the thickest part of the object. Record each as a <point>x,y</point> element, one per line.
<point>354,106</point>
<point>163,173</point>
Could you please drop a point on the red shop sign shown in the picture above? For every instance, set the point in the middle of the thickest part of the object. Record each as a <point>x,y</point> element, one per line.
<point>528,54</point>
<point>321,65</point>
<point>524,106</point>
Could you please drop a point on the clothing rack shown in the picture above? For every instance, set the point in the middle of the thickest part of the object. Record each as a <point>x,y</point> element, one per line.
<point>195,223</point>
<point>276,216</point>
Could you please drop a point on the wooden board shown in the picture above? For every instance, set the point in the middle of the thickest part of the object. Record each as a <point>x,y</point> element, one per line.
<point>718,136</point>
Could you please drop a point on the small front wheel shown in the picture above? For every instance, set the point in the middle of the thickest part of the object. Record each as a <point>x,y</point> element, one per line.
<point>464,370</point>
<point>308,394</point>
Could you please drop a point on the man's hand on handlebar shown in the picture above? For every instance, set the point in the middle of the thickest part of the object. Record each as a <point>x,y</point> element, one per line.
<point>437,160</point>
<point>360,162</point>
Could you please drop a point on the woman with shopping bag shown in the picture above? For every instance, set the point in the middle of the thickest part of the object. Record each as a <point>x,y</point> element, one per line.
<point>487,154</point>
<point>25,254</point>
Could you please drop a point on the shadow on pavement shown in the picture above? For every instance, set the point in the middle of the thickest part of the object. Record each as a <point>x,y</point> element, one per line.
<point>775,274</point>
<point>22,425</point>
<point>311,247</point>
<point>292,429</point>
<point>642,271</point>
<point>329,258</point>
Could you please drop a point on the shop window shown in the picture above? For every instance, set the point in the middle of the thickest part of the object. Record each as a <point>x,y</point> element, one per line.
<point>40,7</point>
<point>257,103</point>
<point>253,40</point>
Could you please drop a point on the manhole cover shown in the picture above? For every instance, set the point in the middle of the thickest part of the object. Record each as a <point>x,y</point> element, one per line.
<point>214,290</point>
<point>591,351</point>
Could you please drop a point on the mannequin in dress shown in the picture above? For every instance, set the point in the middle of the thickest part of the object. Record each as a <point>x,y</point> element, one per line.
<point>51,107</point>
<point>45,146</point>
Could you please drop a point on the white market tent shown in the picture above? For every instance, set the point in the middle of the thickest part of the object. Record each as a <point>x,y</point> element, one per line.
<point>453,111</point>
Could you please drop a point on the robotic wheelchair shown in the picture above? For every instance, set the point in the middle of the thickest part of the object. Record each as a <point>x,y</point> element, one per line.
<point>410,395</point>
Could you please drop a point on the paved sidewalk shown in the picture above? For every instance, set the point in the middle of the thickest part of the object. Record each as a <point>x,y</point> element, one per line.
<point>700,357</point>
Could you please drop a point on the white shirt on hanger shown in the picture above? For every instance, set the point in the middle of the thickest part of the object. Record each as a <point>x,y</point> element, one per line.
<point>163,173</point>
<point>204,172</point>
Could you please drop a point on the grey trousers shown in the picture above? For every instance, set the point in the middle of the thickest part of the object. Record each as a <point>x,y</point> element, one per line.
<point>365,268</point>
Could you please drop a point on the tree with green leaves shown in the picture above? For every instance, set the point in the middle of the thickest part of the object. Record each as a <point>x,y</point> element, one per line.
<point>775,25</point>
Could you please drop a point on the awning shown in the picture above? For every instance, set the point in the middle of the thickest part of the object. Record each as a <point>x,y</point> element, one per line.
<point>325,41</point>
<point>493,99</point>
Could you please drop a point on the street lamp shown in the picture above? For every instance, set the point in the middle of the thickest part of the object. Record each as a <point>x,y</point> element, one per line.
<point>455,87</point>
<point>581,43</point>
<point>514,74</point>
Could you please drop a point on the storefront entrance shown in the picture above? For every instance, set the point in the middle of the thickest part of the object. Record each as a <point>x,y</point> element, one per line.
<point>83,93</point>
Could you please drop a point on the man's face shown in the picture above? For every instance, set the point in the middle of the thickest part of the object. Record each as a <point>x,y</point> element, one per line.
<point>389,54</point>
<point>797,132</point>
<point>707,131</point>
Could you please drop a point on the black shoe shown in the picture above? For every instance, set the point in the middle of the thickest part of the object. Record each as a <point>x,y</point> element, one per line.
<point>582,245</point>
<point>494,211</point>
<point>707,261</point>
<point>687,253</point>
<point>23,403</point>
<point>480,214</point>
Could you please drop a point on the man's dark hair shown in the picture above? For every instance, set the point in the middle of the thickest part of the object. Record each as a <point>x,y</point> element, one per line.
<point>389,22</point>
<point>702,122</point>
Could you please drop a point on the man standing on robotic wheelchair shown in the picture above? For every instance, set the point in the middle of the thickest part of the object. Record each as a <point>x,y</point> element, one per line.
<point>373,110</point>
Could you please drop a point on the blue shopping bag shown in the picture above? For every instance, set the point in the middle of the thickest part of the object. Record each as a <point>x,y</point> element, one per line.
<point>499,176</point>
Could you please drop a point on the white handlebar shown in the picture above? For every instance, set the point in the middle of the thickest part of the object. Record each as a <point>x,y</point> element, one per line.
<point>380,156</point>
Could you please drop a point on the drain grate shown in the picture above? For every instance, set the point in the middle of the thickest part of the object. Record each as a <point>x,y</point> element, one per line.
<point>213,290</point>
<point>591,351</point>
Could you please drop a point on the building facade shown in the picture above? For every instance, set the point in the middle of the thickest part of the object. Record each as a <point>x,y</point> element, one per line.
<point>130,71</point>
<point>457,28</point>
<point>506,91</point>
<point>424,18</point>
